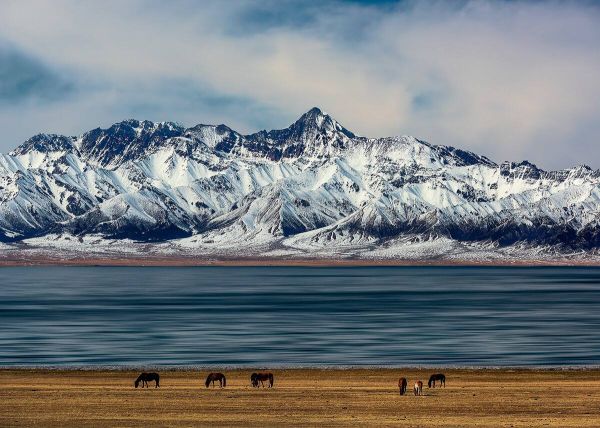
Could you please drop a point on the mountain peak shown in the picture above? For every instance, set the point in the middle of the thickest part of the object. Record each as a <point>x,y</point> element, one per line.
<point>127,140</point>
<point>315,112</point>
<point>316,120</point>
<point>45,143</point>
<point>314,115</point>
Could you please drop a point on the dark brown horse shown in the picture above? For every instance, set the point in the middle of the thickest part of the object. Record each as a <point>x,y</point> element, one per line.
<point>261,377</point>
<point>145,377</point>
<point>402,385</point>
<point>216,377</point>
<point>436,377</point>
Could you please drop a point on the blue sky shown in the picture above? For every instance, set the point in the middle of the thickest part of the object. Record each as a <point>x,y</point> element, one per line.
<point>509,79</point>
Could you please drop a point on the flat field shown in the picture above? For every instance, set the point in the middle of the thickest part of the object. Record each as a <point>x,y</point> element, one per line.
<point>302,397</point>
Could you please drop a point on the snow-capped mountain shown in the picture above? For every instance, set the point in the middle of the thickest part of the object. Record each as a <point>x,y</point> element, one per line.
<point>313,183</point>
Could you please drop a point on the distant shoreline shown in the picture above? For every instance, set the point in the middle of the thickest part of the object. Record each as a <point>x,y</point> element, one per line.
<point>300,262</point>
<point>325,368</point>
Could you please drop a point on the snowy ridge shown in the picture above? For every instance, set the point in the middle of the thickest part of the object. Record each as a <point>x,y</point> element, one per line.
<point>314,187</point>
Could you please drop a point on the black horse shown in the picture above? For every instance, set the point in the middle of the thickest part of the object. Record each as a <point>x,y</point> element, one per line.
<point>261,377</point>
<point>145,377</point>
<point>436,377</point>
<point>402,385</point>
<point>216,377</point>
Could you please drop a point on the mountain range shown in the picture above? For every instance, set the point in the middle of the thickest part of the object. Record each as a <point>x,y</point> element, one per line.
<point>314,184</point>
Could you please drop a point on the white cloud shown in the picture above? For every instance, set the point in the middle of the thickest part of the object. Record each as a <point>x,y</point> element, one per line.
<point>511,80</point>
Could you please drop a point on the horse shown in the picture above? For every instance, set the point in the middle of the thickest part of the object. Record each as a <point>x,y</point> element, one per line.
<point>216,377</point>
<point>145,377</point>
<point>402,385</point>
<point>261,377</point>
<point>418,389</point>
<point>434,377</point>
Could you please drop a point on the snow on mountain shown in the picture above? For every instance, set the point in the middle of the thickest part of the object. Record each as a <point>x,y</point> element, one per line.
<point>314,185</point>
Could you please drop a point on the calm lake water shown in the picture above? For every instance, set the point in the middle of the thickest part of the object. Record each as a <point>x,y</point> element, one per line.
<point>297,316</point>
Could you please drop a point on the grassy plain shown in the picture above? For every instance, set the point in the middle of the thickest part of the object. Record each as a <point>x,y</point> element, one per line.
<point>302,397</point>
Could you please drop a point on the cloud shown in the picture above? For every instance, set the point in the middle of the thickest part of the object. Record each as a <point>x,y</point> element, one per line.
<point>510,80</point>
<point>23,78</point>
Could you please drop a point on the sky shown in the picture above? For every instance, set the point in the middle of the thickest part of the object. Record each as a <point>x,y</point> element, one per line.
<point>512,80</point>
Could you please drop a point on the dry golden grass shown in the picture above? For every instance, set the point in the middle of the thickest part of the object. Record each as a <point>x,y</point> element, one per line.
<point>301,397</point>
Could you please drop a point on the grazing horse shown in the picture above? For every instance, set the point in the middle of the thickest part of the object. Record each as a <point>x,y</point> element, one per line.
<point>216,377</point>
<point>145,377</point>
<point>418,388</point>
<point>261,377</point>
<point>402,385</point>
<point>434,377</point>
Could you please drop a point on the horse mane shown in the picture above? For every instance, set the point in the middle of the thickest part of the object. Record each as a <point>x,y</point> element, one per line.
<point>224,380</point>
<point>208,380</point>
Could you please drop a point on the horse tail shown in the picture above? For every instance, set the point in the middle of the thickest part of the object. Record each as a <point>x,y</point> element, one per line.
<point>271,379</point>
<point>157,380</point>
<point>429,383</point>
<point>224,381</point>
<point>207,381</point>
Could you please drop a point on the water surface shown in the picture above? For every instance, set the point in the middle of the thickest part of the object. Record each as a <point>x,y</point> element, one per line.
<point>299,316</point>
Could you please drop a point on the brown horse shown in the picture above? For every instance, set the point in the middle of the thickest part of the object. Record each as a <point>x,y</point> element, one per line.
<point>216,377</point>
<point>145,377</point>
<point>418,388</point>
<point>439,377</point>
<point>402,385</point>
<point>261,377</point>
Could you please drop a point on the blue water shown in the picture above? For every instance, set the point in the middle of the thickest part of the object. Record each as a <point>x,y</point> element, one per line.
<point>297,316</point>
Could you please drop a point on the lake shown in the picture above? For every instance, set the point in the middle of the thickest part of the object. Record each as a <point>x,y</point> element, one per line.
<point>299,316</point>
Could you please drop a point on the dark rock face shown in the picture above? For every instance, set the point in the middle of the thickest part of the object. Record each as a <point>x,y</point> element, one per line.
<point>126,140</point>
<point>45,143</point>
